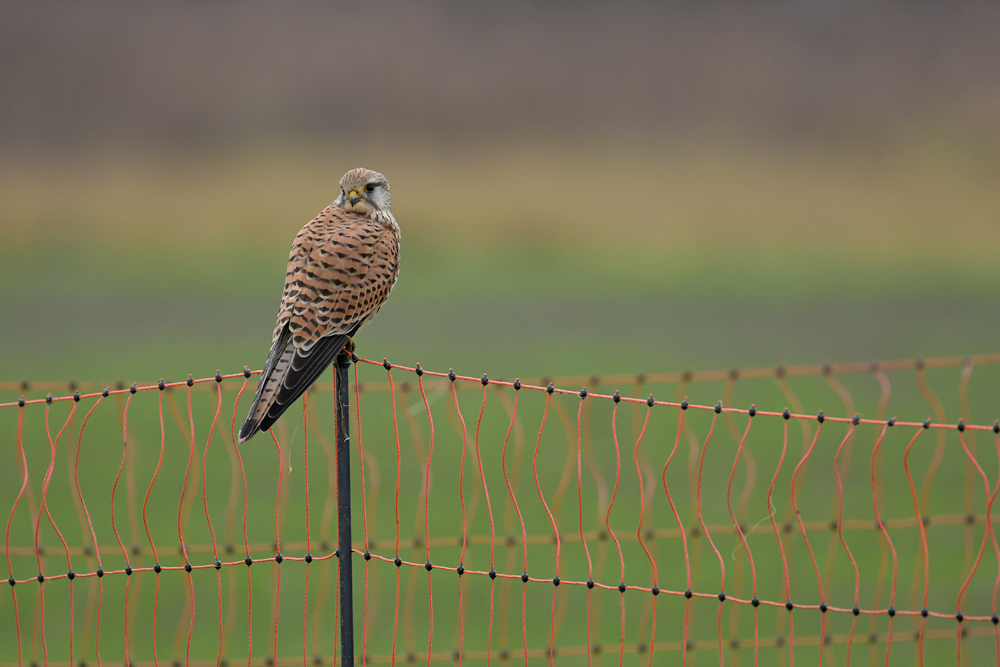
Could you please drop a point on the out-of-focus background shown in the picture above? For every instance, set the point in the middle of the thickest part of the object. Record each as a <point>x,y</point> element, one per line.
<point>581,188</point>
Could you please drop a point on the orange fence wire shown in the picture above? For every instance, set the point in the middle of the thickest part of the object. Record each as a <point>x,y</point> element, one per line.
<point>527,525</point>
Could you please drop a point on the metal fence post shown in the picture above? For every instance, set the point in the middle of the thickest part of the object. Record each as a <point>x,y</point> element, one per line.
<point>344,510</point>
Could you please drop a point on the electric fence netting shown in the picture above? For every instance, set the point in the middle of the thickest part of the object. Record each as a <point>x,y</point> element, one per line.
<point>688,517</point>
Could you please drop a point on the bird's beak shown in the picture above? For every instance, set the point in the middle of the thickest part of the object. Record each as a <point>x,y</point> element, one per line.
<point>354,197</point>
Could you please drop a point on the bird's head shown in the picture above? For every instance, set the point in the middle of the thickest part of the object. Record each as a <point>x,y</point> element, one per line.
<point>364,191</point>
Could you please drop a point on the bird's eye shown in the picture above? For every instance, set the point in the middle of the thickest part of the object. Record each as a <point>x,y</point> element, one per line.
<point>370,187</point>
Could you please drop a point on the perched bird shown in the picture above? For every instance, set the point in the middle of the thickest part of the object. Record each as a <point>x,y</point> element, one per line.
<point>341,268</point>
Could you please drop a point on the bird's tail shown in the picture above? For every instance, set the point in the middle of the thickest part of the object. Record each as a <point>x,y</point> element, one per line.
<point>289,371</point>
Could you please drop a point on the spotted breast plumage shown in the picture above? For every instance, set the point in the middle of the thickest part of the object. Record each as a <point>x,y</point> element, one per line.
<point>341,269</point>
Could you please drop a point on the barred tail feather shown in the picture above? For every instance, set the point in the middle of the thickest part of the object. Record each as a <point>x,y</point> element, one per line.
<point>288,373</point>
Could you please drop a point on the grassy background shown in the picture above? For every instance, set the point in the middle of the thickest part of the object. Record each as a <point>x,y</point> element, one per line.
<point>644,256</point>
<point>952,546</point>
<point>581,191</point>
<point>135,266</point>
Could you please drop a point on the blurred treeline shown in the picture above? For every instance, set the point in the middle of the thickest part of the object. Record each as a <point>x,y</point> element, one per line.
<point>115,71</point>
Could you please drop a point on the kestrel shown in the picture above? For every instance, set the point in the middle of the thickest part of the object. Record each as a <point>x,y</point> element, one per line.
<point>341,268</point>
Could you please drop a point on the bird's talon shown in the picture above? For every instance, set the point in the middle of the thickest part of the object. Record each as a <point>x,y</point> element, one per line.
<point>350,346</point>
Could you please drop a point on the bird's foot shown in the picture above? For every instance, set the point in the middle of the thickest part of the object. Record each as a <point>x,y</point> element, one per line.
<point>349,347</point>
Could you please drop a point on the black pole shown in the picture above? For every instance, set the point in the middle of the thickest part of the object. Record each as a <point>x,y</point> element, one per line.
<point>344,510</point>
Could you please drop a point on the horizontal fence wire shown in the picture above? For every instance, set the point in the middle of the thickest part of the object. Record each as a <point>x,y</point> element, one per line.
<point>549,523</point>
<point>683,377</point>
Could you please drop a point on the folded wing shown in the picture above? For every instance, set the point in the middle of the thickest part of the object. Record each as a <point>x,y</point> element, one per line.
<point>340,271</point>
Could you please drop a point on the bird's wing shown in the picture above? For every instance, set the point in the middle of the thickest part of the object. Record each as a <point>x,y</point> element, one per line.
<point>340,271</point>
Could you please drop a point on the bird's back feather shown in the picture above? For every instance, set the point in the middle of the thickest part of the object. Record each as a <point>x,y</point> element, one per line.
<point>341,269</point>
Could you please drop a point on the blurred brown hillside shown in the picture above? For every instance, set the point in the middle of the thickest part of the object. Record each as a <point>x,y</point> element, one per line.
<point>123,72</point>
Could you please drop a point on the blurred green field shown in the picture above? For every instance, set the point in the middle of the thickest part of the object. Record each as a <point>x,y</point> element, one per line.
<point>526,258</point>
<point>583,189</point>
<point>953,545</point>
<point>565,258</point>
